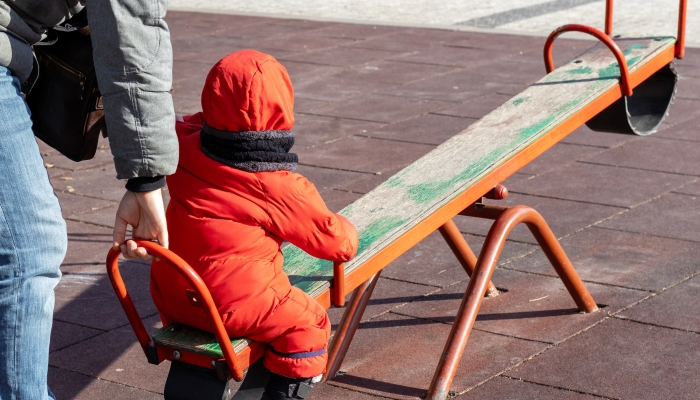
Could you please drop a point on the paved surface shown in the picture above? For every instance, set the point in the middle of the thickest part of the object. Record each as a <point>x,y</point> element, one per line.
<point>537,17</point>
<point>369,101</point>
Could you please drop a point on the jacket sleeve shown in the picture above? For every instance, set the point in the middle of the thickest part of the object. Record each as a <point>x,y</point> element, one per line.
<point>299,215</point>
<point>133,63</point>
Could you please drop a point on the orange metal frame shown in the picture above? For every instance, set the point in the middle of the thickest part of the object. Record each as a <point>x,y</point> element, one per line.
<point>621,62</point>
<point>680,39</point>
<point>364,279</point>
<point>201,295</point>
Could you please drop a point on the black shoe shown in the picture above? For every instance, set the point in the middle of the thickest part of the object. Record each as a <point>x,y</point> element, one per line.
<point>253,386</point>
<point>281,388</point>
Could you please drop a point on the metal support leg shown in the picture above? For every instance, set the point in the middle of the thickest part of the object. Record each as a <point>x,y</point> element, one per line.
<point>474,295</point>
<point>463,252</point>
<point>338,347</point>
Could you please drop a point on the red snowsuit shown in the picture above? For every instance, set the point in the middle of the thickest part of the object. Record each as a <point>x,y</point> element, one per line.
<point>228,224</point>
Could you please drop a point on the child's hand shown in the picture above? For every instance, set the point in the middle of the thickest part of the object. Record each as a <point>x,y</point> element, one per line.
<point>350,230</point>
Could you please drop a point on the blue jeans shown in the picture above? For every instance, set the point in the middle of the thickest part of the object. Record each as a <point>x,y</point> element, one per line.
<point>32,246</point>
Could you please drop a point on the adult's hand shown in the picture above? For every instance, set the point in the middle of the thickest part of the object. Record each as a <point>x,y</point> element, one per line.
<point>145,213</point>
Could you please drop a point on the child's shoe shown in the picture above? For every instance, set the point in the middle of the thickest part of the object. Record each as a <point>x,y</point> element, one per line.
<point>281,388</point>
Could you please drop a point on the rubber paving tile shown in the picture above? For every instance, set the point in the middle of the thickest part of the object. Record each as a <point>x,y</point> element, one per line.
<point>587,137</point>
<point>184,69</point>
<point>335,87</point>
<point>368,181</point>
<point>669,216</point>
<point>688,88</point>
<point>429,129</point>
<point>73,204</point>
<point>691,189</point>
<point>207,48</point>
<point>192,85</point>
<point>376,361</point>
<point>312,130</point>
<point>363,154</point>
<point>380,108</point>
<point>87,298</point>
<point>71,385</point>
<point>533,308</point>
<point>655,154</point>
<point>413,39</point>
<point>92,183</point>
<point>326,391</point>
<point>300,42</point>
<point>299,70</point>
<point>559,155</point>
<point>64,334</point>
<point>600,184</point>
<point>500,388</point>
<point>530,45</point>
<point>388,294</point>
<point>394,72</point>
<point>357,31</point>
<point>302,105</point>
<point>449,56</point>
<point>510,71</point>
<point>342,56</point>
<point>676,307</point>
<point>621,359</point>
<point>431,262</point>
<point>115,356</point>
<point>187,105</point>
<point>681,110</point>
<point>103,216</point>
<point>564,217</point>
<point>515,178</point>
<point>686,130</point>
<point>87,245</point>
<point>326,178</point>
<point>618,258</point>
<point>478,107</point>
<point>454,87</point>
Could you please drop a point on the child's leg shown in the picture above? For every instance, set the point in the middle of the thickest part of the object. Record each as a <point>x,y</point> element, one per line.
<point>298,333</point>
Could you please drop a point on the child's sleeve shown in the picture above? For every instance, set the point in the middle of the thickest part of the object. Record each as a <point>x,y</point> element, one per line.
<point>299,215</point>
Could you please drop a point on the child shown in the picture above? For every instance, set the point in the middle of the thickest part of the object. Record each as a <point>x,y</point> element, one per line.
<point>234,200</point>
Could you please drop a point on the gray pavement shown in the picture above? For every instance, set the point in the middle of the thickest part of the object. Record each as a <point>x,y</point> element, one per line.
<point>538,17</point>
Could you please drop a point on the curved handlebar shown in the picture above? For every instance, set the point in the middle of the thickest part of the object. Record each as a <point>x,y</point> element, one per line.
<point>624,71</point>
<point>187,272</point>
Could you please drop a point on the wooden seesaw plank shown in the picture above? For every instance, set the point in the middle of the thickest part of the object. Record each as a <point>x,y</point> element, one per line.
<point>417,200</point>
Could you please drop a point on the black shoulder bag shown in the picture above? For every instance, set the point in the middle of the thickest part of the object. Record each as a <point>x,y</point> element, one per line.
<point>65,101</point>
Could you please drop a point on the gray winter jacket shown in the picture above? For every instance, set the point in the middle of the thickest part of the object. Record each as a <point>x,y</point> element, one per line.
<point>133,62</point>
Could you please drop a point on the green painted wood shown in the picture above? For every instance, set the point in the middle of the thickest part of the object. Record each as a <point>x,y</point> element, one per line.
<point>420,189</point>
<point>183,337</point>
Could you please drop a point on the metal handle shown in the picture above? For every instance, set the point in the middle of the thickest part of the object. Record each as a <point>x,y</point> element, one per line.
<point>624,71</point>
<point>191,276</point>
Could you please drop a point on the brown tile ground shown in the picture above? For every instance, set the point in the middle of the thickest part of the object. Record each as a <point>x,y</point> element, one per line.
<point>625,259</point>
<point>533,308</point>
<point>668,216</point>
<point>373,99</point>
<point>600,184</point>
<point>507,388</point>
<point>394,339</point>
<point>617,359</point>
<point>675,308</point>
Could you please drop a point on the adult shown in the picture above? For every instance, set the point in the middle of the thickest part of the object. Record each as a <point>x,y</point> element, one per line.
<point>133,61</point>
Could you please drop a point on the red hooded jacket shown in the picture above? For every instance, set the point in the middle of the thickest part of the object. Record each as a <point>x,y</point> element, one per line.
<point>228,224</point>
